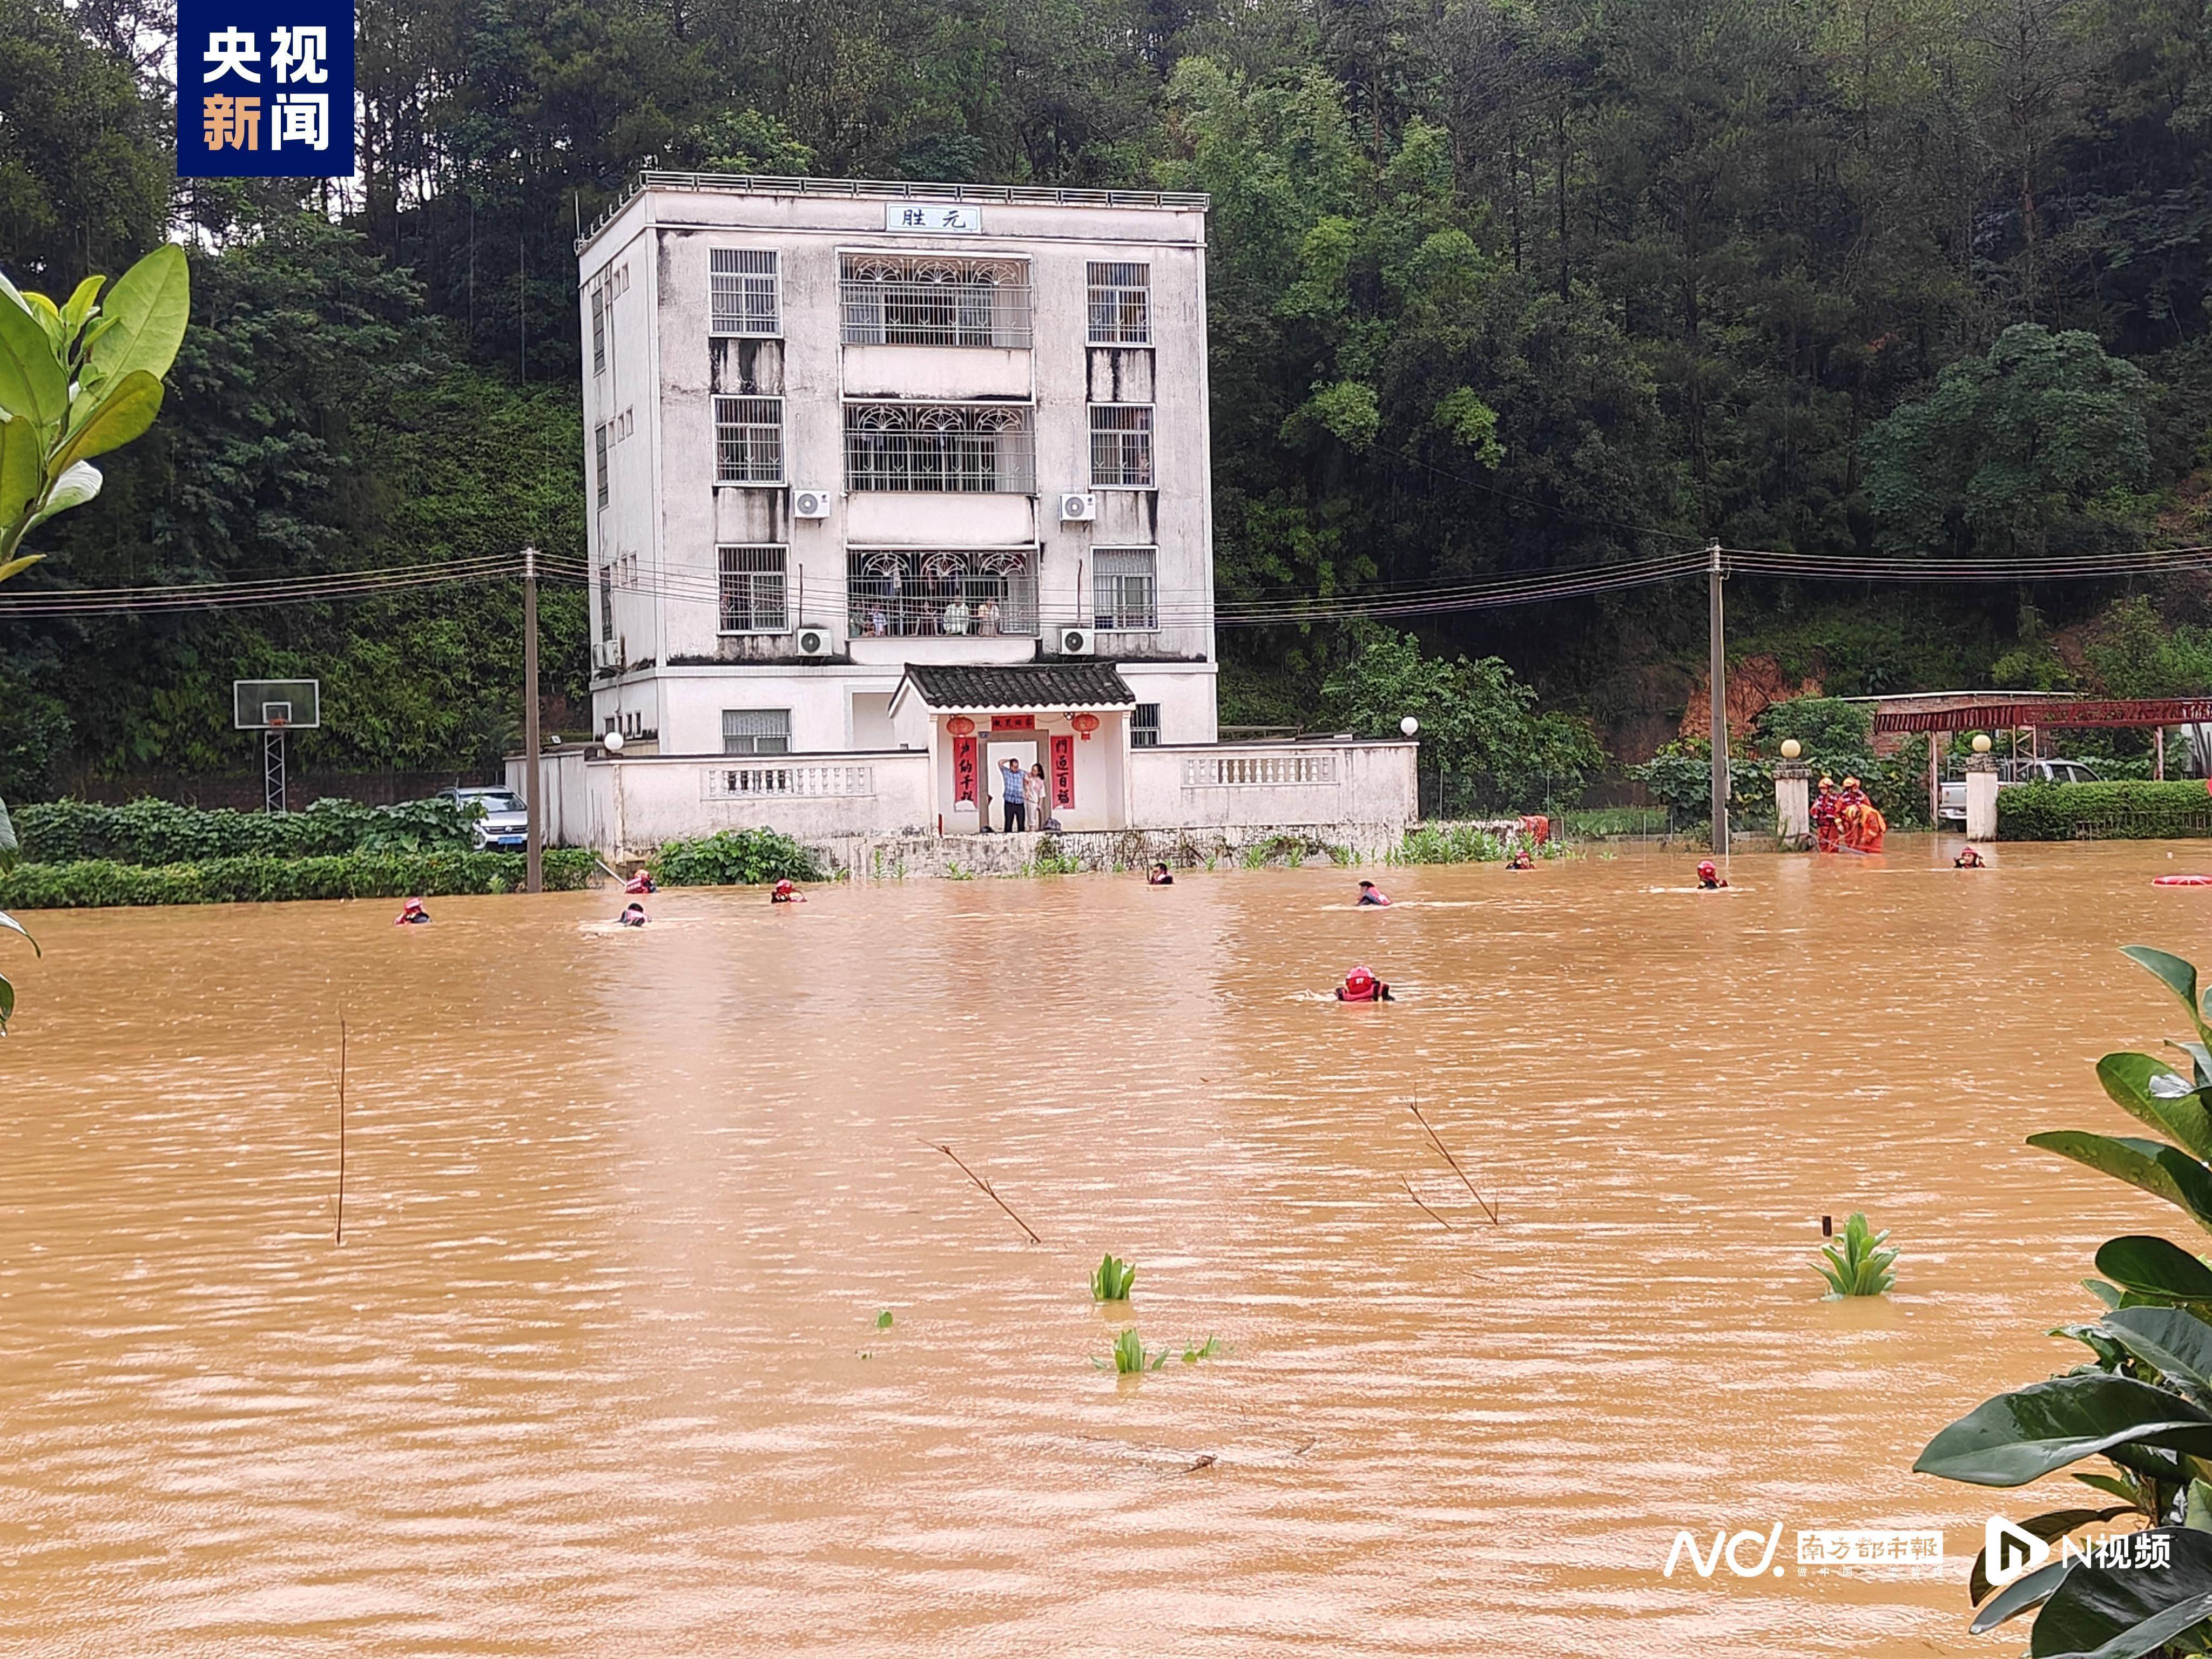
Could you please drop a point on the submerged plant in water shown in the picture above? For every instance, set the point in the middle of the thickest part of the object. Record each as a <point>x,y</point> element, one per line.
<point>1856,1265</point>
<point>1111,1278</point>
<point>1131,1357</point>
<point>883,1320</point>
<point>2144,1401</point>
<point>1212,1348</point>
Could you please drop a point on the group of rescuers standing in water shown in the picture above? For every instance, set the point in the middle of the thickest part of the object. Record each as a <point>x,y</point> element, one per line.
<point>1841,819</point>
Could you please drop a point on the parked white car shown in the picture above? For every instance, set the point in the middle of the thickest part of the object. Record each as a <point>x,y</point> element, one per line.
<point>503,822</point>
<point>1952,800</point>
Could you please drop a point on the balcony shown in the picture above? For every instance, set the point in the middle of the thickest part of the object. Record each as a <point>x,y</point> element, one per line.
<point>940,592</point>
<point>940,448</point>
<point>935,327</point>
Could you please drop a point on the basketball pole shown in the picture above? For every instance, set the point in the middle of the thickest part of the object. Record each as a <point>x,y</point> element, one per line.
<point>533,880</point>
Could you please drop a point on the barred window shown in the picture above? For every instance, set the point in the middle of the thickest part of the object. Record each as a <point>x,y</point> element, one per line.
<point>749,440</point>
<point>607,603</point>
<point>933,300</point>
<point>1121,445</point>
<point>939,447</point>
<point>1144,726</point>
<point>598,330</point>
<point>753,594</point>
<point>600,446</point>
<point>745,290</point>
<point>1120,304</point>
<point>1125,583</point>
<point>756,730</point>
<point>901,592</point>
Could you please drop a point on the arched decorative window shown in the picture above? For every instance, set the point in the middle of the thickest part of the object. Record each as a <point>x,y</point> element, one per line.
<point>935,299</point>
<point>906,591</point>
<point>960,448</point>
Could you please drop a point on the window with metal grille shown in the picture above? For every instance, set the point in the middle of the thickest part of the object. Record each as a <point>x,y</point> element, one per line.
<point>600,444</point>
<point>1125,583</point>
<point>1121,445</point>
<point>933,300</point>
<point>964,447</point>
<point>749,440</point>
<point>756,730</point>
<point>901,593</point>
<point>1144,726</point>
<point>744,291</point>
<point>1120,304</point>
<point>607,603</point>
<point>598,330</point>
<point>753,599</point>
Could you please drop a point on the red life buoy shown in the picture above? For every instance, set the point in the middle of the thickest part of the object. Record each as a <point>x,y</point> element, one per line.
<point>2181,881</point>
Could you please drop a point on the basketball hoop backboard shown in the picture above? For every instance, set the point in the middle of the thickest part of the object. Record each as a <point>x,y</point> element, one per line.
<point>276,705</point>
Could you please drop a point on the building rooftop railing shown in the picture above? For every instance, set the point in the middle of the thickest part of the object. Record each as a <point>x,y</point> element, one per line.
<point>762,184</point>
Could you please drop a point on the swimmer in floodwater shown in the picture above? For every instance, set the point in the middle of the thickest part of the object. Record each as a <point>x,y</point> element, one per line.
<point>1708,878</point>
<point>410,914</point>
<point>1370,894</point>
<point>1522,859</point>
<point>785,893</point>
<point>1968,858</point>
<point>1361,986</point>
<point>1157,876</point>
<point>642,881</point>
<point>633,917</point>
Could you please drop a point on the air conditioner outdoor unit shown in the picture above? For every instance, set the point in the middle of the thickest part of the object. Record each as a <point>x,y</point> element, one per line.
<point>810,503</point>
<point>814,640</point>
<point>1076,642</point>
<point>1076,507</point>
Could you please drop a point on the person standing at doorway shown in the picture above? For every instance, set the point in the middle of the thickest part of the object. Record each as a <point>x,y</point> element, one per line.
<point>1010,791</point>
<point>1033,794</point>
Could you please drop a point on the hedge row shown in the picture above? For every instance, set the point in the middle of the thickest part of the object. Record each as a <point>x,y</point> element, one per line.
<point>162,832</point>
<point>94,882</point>
<point>732,858</point>
<point>2137,811</point>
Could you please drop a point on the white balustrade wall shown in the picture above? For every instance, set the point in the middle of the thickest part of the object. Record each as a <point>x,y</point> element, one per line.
<point>1224,784</point>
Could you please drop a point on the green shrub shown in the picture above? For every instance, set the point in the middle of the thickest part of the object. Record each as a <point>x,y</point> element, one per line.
<point>156,832</point>
<point>1826,726</point>
<point>2137,811</point>
<point>98,881</point>
<point>1450,843</point>
<point>735,858</point>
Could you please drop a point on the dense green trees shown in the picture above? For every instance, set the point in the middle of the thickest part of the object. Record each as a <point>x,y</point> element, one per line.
<point>1495,287</point>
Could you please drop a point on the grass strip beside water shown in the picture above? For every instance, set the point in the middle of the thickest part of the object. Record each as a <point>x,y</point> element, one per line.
<point>89,882</point>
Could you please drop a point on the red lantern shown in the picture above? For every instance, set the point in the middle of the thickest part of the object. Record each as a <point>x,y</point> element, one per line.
<point>961,727</point>
<point>1084,724</point>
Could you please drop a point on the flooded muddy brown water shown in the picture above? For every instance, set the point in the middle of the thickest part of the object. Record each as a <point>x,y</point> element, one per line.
<point>597,1369</point>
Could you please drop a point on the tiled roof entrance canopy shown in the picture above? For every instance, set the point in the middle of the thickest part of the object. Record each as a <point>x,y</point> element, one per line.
<point>1025,685</point>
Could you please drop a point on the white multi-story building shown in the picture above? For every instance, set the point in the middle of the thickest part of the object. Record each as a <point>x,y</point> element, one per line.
<point>890,484</point>
<point>886,468</point>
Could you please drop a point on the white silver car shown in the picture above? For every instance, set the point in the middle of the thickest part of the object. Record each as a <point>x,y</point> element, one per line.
<point>1952,800</point>
<point>504,823</point>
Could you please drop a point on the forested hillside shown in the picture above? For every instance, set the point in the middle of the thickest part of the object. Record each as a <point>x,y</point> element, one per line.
<point>1498,286</point>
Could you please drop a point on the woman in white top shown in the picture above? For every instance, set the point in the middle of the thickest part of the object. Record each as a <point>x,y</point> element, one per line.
<point>1033,795</point>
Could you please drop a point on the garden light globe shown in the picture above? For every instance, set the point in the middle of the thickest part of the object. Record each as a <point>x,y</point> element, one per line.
<point>1409,726</point>
<point>1791,748</point>
<point>1981,743</point>
<point>612,742</point>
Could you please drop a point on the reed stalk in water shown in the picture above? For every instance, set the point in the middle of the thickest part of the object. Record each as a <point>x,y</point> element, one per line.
<point>1416,1110</point>
<point>985,1188</point>
<point>1416,1197</point>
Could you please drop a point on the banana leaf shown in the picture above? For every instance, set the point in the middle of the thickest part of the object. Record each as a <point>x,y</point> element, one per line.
<point>2103,1612</point>
<point>2017,1438</point>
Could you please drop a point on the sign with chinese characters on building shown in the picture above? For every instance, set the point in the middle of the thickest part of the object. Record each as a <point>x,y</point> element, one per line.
<point>264,88</point>
<point>939,218</point>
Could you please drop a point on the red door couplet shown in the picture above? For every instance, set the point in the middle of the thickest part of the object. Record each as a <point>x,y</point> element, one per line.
<point>963,771</point>
<point>1063,770</point>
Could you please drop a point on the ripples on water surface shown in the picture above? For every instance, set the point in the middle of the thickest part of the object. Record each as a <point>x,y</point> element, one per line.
<point>595,1371</point>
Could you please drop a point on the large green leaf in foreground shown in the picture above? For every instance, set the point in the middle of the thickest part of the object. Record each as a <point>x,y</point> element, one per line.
<point>2016,1438</point>
<point>2102,1613</point>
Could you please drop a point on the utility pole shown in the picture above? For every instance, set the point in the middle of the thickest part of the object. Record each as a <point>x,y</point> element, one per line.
<point>1719,678</point>
<point>534,880</point>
